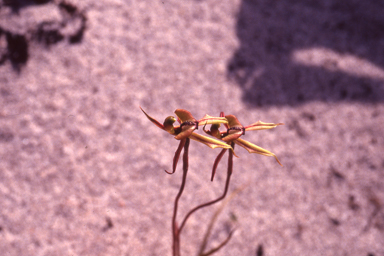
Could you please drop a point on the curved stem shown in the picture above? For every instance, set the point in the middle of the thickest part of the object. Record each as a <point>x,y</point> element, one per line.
<point>216,215</point>
<point>175,229</point>
<point>229,173</point>
<point>212,251</point>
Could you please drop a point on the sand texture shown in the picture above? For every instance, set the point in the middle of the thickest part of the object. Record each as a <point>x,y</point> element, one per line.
<point>82,168</point>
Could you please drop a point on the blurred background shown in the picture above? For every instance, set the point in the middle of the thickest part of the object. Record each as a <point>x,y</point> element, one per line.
<point>82,168</point>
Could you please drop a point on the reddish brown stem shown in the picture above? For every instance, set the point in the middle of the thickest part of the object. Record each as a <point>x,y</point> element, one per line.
<point>229,173</point>
<point>175,228</point>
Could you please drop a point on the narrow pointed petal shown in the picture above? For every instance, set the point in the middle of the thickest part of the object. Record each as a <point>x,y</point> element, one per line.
<point>261,126</point>
<point>217,160</point>
<point>184,115</point>
<point>252,148</point>
<point>157,123</point>
<point>207,119</point>
<point>212,143</point>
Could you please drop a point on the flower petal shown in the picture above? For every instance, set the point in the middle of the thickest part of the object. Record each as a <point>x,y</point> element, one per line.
<point>212,143</point>
<point>252,148</point>
<point>232,121</point>
<point>214,131</point>
<point>153,120</point>
<point>261,126</point>
<point>184,115</point>
<point>207,119</point>
<point>186,131</point>
<point>233,135</point>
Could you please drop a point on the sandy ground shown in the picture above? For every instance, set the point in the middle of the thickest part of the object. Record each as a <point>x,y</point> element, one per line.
<point>82,169</point>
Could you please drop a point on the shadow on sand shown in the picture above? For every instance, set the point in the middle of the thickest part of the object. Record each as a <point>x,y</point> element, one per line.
<point>294,52</point>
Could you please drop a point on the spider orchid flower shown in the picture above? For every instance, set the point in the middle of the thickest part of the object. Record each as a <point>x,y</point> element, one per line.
<point>233,133</point>
<point>187,124</point>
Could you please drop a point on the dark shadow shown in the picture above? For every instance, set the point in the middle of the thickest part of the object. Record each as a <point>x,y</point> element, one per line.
<point>15,46</point>
<point>16,50</point>
<point>272,31</point>
<point>16,5</point>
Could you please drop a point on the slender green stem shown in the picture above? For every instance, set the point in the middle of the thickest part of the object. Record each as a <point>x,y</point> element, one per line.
<point>175,229</point>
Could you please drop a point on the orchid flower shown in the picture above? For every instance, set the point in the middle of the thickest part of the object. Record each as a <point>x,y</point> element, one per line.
<point>233,133</point>
<point>185,130</point>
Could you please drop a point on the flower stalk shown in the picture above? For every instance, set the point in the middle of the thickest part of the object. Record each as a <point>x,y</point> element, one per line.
<point>175,228</point>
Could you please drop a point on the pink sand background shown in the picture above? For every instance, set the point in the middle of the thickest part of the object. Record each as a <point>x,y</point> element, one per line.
<point>81,168</point>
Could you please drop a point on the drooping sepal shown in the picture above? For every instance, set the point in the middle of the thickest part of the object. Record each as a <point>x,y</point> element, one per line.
<point>176,157</point>
<point>216,163</point>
